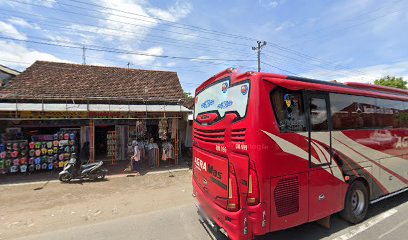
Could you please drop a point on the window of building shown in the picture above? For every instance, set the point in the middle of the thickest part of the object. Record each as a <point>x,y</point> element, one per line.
<point>288,106</point>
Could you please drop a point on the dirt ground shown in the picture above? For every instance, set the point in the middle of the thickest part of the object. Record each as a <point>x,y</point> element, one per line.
<point>36,208</point>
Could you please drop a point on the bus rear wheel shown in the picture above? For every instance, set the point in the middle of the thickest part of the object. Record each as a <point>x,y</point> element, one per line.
<point>356,205</point>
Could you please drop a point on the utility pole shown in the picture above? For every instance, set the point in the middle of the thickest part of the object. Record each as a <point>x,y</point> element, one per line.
<point>83,55</point>
<point>261,44</point>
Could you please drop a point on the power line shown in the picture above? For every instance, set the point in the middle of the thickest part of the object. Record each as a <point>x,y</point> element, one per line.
<point>317,65</point>
<point>120,33</point>
<point>273,44</point>
<point>298,36</point>
<point>67,68</point>
<point>281,69</point>
<point>347,27</point>
<point>122,51</point>
<point>165,22</point>
<point>126,23</point>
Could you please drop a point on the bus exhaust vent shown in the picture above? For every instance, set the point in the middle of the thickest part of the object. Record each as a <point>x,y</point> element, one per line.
<point>286,196</point>
<point>212,136</point>
<point>238,135</point>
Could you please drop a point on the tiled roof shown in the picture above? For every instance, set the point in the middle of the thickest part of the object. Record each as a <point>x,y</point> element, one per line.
<point>52,80</point>
<point>9,70</point>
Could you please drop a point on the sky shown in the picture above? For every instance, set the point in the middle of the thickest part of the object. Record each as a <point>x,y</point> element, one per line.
<point>344,40</point>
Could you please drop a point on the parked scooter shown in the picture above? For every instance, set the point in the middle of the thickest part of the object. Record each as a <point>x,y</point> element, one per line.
<point>92,171</point>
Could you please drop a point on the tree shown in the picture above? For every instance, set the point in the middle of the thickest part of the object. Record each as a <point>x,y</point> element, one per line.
<point>188,96</point>
<point>391,81</point>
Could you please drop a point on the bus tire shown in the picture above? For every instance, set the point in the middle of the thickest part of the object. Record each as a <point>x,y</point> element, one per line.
<point>356,204</point>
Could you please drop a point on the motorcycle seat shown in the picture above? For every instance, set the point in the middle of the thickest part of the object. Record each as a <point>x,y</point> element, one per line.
<point>90,165</point>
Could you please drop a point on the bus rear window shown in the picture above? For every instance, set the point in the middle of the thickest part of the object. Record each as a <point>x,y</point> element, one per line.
<point>288,107</point>
<point>221,98</point>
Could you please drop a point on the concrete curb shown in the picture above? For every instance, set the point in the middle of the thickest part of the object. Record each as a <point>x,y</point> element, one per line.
<point>108,176</point>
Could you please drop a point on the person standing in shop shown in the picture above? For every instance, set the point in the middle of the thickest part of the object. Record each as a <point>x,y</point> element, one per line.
<point>136,156</point>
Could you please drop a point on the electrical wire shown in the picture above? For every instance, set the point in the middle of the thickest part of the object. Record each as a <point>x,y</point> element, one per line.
<point>122,51</point>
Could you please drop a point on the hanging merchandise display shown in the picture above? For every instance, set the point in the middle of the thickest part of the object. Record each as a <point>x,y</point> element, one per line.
<point>167,151</point>
<point>13,156</point>
<point>153,152</point>
<point>111,143</point>
<point>43,152</point>
<point>163,125</point>
<point>141,129</point>
<point>56,149</point>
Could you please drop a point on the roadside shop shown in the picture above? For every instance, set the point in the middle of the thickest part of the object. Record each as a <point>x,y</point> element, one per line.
<point>56,111</point>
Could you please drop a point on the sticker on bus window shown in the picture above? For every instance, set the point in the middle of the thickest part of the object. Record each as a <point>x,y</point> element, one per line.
<point>207,103</point>
<point>290,105</point>
<point>224,87</point>
<point>225,104</point>
<point>244,89</point>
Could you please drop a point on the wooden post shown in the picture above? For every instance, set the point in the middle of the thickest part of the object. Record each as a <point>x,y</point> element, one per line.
<point>92,140</point>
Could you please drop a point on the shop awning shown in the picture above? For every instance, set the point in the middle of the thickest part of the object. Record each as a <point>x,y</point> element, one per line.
<point>56,107</point>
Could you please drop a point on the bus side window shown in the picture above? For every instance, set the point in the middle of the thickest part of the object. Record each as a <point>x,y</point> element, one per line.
<point>318,115</point>
<point>288,108</point>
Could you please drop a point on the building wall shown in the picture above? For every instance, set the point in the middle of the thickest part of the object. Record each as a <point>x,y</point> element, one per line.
<point>4,78</point>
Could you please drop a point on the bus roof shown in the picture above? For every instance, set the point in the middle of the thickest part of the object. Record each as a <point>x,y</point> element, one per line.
<point>309,83</point>
<point>358,88</point>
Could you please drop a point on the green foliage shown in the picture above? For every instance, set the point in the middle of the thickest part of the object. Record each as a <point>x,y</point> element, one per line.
<point>188,96</point>
<point>391,81</point>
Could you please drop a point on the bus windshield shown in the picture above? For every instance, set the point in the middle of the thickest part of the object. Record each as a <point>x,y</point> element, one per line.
<point>222,97</point>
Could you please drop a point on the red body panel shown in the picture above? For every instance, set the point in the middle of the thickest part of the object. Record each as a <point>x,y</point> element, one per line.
<point>291,191</point>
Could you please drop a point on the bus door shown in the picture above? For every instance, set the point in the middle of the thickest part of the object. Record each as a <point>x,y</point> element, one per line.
<point>322,189</point>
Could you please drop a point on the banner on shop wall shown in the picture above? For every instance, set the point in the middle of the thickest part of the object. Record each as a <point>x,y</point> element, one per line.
<point>84,115</point>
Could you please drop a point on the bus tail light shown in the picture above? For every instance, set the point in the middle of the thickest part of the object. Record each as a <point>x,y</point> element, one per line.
<point>253,186</point>
<point>233,196</point>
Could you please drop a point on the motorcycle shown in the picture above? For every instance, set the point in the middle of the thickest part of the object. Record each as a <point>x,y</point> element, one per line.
<point>92,171</point>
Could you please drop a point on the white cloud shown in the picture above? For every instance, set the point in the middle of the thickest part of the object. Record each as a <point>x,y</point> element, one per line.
<point>270,3</point>
<point>46,3</point>
<point>176,12</point>
<point>140,60</point>
<point>128,24</point>
<point>171,64</point>
<point>22,23</point>
<point>10,31</point>
<point>19,56</point>
<point>134,28</point>
<point>284,26</point>
<point>365,74</point>
<point>198,59</point>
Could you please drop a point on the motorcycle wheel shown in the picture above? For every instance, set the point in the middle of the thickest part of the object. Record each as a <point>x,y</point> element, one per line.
<point>101,175</point>
<point>65,177</point>
<point>98,175</point>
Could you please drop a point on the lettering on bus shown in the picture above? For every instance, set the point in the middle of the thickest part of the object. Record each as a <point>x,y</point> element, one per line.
<point>221,148</point>
<point>202,166</point>
<point>241,146</point>
<point>214,172</point>
<point>402,142</point>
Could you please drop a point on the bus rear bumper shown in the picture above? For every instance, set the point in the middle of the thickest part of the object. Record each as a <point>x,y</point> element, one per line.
<point>232,222</point>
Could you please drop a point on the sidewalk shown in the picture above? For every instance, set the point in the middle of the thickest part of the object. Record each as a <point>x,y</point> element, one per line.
<point>43,207</point>
<point>116,170</point>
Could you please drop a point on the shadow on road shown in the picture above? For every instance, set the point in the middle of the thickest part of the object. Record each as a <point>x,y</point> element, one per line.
<point>82,181</point>
<point>313,231</point>
<point>42,187</point>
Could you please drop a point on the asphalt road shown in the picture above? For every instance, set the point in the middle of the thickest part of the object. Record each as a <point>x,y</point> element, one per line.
<point>387,220</point>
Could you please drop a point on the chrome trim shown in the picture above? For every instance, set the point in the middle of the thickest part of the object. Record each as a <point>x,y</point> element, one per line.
<point>389,195</point>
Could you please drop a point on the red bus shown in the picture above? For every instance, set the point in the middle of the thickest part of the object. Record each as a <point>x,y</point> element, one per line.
<point>272,152</point>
